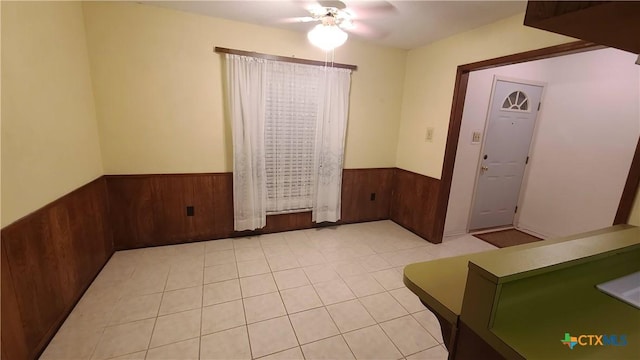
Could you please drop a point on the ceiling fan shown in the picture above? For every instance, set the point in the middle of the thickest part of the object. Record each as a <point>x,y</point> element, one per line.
<point>335,18</point>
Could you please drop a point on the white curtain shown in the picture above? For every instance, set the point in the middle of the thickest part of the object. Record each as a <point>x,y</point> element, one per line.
<point>246,80</point>
<point>331,128</point>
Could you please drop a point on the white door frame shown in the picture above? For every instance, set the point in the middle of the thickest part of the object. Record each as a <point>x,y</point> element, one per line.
<point>525,176</point>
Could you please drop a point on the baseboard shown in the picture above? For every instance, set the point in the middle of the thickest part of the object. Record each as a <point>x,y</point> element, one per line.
<point>455,233</point>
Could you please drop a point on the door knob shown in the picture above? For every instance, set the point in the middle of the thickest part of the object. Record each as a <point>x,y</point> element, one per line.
<point>484,168</point>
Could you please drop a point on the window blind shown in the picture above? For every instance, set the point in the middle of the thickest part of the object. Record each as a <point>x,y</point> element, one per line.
<point>290,130</point>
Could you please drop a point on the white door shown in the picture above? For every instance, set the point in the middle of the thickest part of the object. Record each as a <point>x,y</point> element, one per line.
<point>508,134</point>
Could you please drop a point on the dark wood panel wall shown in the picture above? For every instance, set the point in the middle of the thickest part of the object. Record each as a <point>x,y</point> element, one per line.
<point>150,210</point>
<point>611,23</point>
<point>414,204</point>
<point>49,258</point>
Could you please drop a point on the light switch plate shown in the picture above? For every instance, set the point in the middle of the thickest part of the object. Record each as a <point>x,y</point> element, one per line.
<point>429,135</point>
<point>475,138</point>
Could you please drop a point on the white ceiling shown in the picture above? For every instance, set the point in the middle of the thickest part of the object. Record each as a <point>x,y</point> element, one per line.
<point>408,25</point>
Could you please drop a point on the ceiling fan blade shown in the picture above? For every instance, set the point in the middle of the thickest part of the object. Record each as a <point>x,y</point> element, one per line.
<point>366,31</point>
<point>335,4</point>
<point>370,9</point>
<point>295,20</point>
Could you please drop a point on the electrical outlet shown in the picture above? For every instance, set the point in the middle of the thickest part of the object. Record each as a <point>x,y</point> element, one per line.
<point>475,138</point>
<point>429,135</point>
<point>190,211</point>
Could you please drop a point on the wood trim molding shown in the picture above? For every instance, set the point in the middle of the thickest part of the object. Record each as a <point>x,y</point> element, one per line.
<point>574,47</point>
<point>630,190</point>
<point>284,58</point>
<point>455,122</point>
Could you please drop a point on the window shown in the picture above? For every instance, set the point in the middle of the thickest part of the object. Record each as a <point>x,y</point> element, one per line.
<point>289,125</point>
<point>291,109</point>
<point>516,101</point>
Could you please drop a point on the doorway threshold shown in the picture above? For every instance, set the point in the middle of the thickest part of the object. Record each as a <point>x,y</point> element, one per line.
<point>490,229</point>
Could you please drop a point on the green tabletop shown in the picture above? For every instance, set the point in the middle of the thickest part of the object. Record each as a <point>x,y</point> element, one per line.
<point>440,283</point>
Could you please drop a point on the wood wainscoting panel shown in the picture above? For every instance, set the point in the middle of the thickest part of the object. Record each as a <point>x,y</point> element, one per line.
<point>358,185</point>
<point>287,222</point>
<point>151,210</point>
<point>53,255</point>
<point>414,203</point>
<point>14,344</point>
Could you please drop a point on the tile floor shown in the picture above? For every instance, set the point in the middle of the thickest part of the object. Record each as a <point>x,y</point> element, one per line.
<point>330,293</point>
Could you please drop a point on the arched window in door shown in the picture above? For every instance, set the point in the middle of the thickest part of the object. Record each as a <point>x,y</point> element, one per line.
<point>516,101</point>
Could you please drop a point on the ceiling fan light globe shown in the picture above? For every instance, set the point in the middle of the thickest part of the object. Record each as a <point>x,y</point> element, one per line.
<point>327,37</point>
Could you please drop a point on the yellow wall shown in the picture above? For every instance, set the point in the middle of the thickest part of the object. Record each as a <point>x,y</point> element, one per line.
<point>429,82</point>
<point>159,90</point>
<point>49,130</point>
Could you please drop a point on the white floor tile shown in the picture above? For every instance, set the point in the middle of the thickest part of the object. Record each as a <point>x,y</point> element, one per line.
<point>320,273</point>
<point>147,280</point>
<point>222,317</point>
<point>407,299</point>
<point>180,279</point>
<point>348,268</point>
<point>328,349</point>
<point>218,245</point>
<point>272,250</point>
<point>408,335</point>
<point>271,336</point>
<point>283,262</point>
<point>251,242</point>
<point>435,353</point>
<point>373,263</point>
<point>312,325</point>
<point>383,307</point>
<point>371,343</point>
<point>246,254</point>
<point>219,258</point>
<point>363,285</point>
<point>132,308</point>
<point>176,327</point>
<point>124,339</point>
<point>140,355</point>
<point>292,278</point>
<point>291,354</point>
<point>73,342</point>
<point>333,291</point>
<point>389,279</point>
<point>220,272</point>
<point>300,299</point>
<point>181,300</point>
<point>253,267</point>
<point>350,315</point>
<point>257,285</point>
<point>224,345</point>
<point>263,307</point>
<point>430,322</point>
<point>216,293</point>
<point>310,257</point>
<point>183,350</point>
